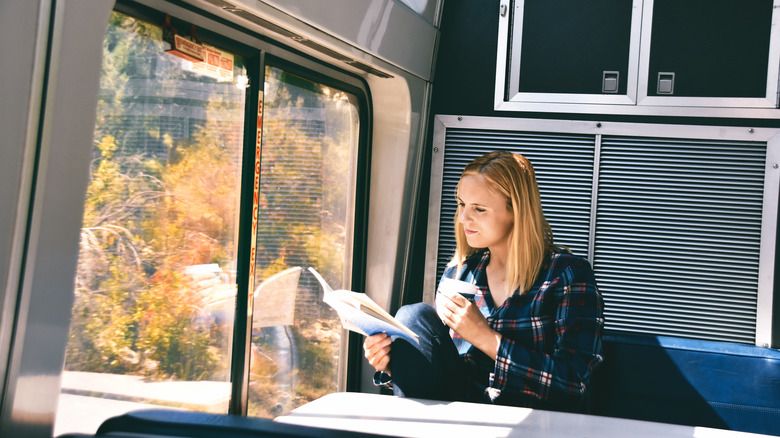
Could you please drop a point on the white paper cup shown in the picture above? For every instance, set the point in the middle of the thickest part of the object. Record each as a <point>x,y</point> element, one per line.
<point>448,286</point>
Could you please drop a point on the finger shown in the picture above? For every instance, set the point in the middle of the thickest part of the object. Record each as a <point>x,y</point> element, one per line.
<point>459,300</point>
<point>373,339</point>
<point>383,363</point>
<point>379,359</point>
<point>374,356</point>
<point>453,310</point>
<point>383,343</point>
<point>457,304</point>
<point>455,297</point>
<point>380,364</point>
<point>378,352</point>
<point>448,303</point>
<point>442,311</point>
<point>446,316</point>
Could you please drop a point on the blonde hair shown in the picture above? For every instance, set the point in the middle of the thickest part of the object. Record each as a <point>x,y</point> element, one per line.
<point>513,176</point>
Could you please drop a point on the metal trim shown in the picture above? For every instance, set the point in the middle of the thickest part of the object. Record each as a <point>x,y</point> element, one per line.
<point>510,84</point>
<point>366,35</point>
<point>594,199</point>
<point>769,101</point>
<point>250,33</point>
<point>771,184</point>
<point>74,32</point>
<point>636,101</point>
<point>40,13</point>
<point>766,267</point>
<point>434,208</point>
<point>502,74</point>
<point>246,244</point>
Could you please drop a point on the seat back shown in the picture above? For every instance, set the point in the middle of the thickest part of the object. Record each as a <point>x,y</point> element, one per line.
<point>186,424</point>
<point>689,382</point>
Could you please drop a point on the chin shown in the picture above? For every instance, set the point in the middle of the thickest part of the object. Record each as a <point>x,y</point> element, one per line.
<point>474,243</point>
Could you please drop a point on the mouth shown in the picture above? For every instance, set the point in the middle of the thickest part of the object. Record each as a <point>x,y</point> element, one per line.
<point>469,232</point>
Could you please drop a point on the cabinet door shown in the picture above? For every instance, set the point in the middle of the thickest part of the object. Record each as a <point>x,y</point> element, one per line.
<point>567,45</point>
<point>573,51</point>
<point>709,48</point>
<point>700,58</point>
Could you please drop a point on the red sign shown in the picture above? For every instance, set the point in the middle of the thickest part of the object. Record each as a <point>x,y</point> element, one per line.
<point>256,194</point>
<point>184,48</point>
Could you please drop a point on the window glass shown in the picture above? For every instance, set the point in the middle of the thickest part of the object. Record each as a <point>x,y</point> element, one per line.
<point>155,288</point>
<point>309,151</point>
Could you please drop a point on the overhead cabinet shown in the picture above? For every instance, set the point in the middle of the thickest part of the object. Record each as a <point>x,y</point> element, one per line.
<point>665,57</point>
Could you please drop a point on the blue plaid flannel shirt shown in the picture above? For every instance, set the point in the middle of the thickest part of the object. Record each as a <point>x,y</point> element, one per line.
<point>551,335</point>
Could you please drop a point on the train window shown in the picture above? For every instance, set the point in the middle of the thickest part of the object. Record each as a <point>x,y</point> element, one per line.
<point>158,243</point>
<point>309,156</point>
<point>163,238</point>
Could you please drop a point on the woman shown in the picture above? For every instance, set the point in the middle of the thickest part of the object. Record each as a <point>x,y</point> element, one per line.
<point>531,336</point>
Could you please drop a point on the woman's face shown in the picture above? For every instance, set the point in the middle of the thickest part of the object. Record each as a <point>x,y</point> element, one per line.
<point>484,214</point>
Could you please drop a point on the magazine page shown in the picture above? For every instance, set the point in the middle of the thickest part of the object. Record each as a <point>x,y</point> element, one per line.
<point>359,313</point>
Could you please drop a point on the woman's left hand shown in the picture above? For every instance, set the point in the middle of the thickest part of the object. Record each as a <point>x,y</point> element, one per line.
<point>464,317</point>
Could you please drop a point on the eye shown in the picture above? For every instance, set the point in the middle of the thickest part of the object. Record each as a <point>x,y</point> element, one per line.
<point>479,210</point>
<point>461,204</point>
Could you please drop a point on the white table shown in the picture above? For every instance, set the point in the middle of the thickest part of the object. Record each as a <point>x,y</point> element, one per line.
<point>406,417</point>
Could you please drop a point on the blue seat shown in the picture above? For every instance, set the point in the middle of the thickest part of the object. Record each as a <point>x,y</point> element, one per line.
<point>160,423</point>
<point>690,382</point>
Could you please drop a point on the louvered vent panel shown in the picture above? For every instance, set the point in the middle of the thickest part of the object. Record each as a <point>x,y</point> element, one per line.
<point>564,172</point>
<point>677,239</point>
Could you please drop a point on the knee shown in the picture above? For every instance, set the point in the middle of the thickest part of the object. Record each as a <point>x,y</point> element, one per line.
<point>412,314</point>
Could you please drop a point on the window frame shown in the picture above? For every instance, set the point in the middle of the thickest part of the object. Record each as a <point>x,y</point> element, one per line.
<point>348,373</point>
<point>258,51</point>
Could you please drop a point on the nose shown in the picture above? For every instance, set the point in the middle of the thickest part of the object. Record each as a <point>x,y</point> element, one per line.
<point>462,215</point>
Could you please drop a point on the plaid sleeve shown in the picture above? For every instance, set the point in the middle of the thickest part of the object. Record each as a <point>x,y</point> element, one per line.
<point>559,373</point>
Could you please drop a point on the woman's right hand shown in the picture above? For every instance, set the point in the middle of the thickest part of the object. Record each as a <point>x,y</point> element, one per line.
<point>377,351</point>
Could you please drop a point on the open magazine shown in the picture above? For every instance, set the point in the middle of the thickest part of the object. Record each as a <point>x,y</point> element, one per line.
<point>361,314</point>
